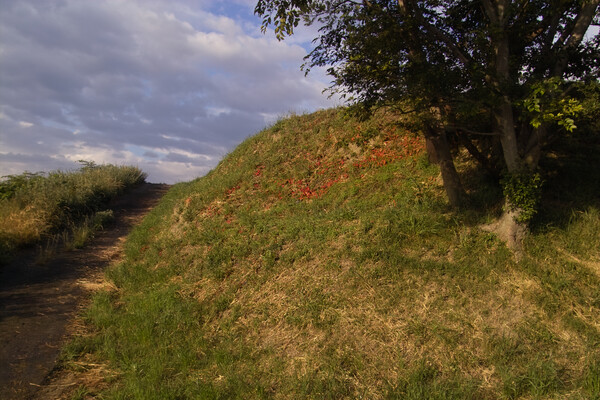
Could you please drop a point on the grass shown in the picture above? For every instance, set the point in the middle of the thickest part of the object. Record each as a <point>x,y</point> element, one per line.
<point>59,207</point>
<point>321,260</point>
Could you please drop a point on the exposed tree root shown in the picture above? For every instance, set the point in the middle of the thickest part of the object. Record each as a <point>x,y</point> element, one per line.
<point>509,231</point>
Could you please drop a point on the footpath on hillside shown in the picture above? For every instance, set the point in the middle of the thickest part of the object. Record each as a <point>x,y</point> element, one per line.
<point>38,301</point>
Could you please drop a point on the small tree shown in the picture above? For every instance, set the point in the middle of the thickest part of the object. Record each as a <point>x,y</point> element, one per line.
<point>494,69</point>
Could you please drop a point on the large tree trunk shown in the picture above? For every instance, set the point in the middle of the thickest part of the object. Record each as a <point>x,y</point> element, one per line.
<point>439,153</point>
<point>509,230</point>
<point>508,136</point>
<point>532,147</point>
<point>509,227</point>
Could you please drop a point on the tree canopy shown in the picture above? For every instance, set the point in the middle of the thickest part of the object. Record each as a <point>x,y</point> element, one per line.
<point>496,73</point>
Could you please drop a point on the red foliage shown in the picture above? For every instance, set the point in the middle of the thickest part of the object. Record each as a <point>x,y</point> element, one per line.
<point>230,191</point>
<point>325,173</point>
<point>394,148</point>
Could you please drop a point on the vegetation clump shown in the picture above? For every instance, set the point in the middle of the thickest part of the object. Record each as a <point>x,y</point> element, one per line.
<point>321,259</point>
<point>44,206</point>
<point>523,190</point>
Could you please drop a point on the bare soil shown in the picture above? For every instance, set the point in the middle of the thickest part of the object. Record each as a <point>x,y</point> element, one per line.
<point>38,302</point>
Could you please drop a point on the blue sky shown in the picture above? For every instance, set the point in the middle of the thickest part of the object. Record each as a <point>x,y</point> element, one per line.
<point>169,86</point>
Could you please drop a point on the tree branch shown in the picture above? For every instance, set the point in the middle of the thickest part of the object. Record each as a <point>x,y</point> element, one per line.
<point>575,34</point>
<point>466,130</point>
<point>552,30</point>
<point>478,156</point>
<point>489,10</point>
<point>464,58</point>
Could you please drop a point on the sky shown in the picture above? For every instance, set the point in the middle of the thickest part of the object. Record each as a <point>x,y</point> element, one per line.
<point>168,86</point>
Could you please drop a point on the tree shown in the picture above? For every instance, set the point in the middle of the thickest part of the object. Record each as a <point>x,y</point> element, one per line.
<point>494,73</point>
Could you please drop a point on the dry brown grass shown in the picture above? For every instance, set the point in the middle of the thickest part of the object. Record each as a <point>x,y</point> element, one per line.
<point>23,225</point>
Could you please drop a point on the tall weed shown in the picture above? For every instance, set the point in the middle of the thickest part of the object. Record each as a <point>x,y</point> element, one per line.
<point>33,207</point>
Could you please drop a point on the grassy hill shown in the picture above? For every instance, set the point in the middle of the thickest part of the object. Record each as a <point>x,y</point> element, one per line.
<point>321,260</point>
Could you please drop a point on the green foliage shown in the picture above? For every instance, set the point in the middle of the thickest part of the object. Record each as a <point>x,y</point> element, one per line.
<point>523,191</point>
<point>88,165</point>
<point>546,104</point>
<point>102,219</point>
<point>11,184</point>
<point>85,230</point>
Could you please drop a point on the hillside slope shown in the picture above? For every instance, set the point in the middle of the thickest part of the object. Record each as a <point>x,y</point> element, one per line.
<point>320,260</point>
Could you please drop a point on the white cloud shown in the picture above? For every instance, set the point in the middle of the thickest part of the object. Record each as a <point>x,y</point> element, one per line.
<point>179,84</point>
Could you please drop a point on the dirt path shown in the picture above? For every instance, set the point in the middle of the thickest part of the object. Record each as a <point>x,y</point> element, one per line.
<point>38,301</point>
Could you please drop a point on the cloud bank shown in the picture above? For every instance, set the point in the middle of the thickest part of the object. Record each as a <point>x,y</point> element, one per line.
<point>168,86</point>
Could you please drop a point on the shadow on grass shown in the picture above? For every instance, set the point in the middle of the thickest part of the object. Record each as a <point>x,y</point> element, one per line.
<point>572,180</point>
<point>571,172</point>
